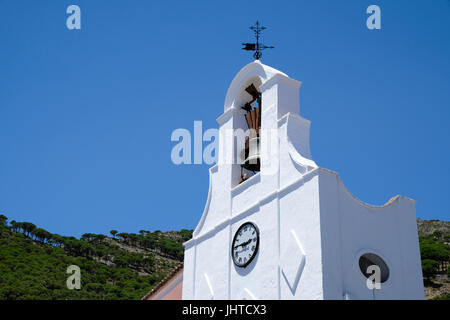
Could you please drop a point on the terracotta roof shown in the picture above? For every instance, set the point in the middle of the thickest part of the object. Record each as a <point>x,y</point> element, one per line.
<point>163,281</point>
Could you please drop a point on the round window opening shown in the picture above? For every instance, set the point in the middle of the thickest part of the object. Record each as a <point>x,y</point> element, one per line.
<point>370,259</point>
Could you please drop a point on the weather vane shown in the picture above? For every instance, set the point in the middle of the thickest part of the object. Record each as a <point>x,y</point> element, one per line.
<point>257,47</point>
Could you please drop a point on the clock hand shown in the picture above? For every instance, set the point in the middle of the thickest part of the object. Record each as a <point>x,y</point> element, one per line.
<point>243,244</point>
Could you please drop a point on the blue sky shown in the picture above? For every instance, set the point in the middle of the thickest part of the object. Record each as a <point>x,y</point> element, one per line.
<point>86,115</point>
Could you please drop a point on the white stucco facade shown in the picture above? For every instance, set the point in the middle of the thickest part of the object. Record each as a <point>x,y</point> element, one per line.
<point>312,230</point>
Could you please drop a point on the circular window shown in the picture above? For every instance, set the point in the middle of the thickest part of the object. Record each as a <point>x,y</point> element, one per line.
<point>370,259</point>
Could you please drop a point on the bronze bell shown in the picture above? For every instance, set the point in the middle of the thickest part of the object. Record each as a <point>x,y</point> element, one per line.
<point>252,155</point>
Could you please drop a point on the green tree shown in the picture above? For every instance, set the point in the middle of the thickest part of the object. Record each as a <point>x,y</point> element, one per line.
<point>28,228</point>
<point>99,238</point>
<point>185,234</point>
<point>41,235</point>
<point>437,234</point>
<point>443,297</point>
<point>429,268</point>
<point>3,219</point>
<point>88,237</point>
<point>14,225</point>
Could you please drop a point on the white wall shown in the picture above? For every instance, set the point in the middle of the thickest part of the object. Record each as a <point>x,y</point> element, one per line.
<point>312,230</point>
<point>351,228</point>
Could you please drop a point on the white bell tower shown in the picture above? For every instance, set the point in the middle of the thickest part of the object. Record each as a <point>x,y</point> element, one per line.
<point>308,237</point>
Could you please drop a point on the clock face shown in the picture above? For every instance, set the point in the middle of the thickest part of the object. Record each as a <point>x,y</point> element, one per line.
<point>245,244</point>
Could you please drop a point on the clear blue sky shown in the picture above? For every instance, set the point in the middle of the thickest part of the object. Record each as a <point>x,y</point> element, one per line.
<point>86,116</point>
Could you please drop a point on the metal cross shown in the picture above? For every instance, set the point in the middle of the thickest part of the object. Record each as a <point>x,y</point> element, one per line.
<point>257,47</point>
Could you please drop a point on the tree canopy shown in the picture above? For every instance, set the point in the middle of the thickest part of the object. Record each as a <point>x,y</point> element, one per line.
<point>33,262</point>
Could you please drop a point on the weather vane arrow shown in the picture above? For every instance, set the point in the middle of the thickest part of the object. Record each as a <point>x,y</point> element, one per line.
<point>257,47</point>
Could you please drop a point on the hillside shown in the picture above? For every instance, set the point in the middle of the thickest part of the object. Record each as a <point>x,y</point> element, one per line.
<point>428,227</point>
<point>434,237</point>
<point>33,261</point>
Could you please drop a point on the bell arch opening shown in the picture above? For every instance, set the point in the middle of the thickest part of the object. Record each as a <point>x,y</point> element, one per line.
<point>247,146</point>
